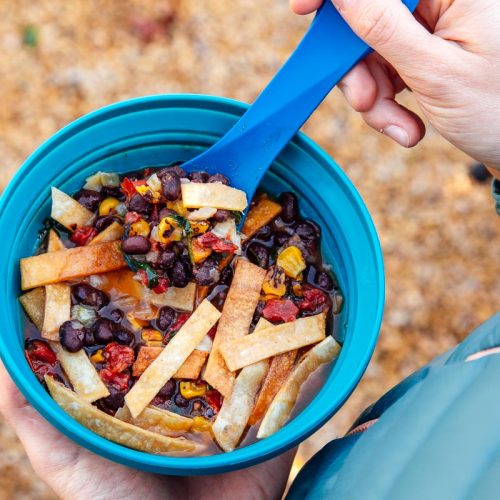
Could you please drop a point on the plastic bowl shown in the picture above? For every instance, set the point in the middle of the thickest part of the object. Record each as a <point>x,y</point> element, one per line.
<point>159,130</point>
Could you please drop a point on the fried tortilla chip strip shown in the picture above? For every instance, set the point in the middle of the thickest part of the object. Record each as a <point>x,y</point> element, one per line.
<point>81,373</point>
<point>233,416</point>
<point>33,303</point>
<point>64,265</point>
<point>283,403</point>
<point>112,233</point>
<point>55,243</point>
<point>178,298</point>
<point>57,309</point>
<point>275,340</point>
<point>111,428</point>
<point>196,195</point>
<point>259,215</point>
<point>157,420</point>
<point>235,321</point>
<point>162,369</point>
<point>190,369</point>
<point>279,369</point>
<point>67,211</point>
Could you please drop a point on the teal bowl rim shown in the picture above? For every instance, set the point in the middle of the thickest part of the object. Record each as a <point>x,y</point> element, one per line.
<point>278,443</point>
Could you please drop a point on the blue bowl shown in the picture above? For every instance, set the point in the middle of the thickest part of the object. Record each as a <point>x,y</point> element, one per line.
<point>159,130</point>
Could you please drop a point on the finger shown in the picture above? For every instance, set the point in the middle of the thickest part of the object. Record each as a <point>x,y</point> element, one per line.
<point>305,6</point>
<point>389,117</point>
<point>359,88</point>
<point>390,28</point>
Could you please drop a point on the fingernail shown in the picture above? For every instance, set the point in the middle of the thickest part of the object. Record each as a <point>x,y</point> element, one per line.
<point>398,134</point>
<point>345,90</point>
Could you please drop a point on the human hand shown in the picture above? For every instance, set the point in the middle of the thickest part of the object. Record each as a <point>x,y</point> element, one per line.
<point>75,473</point>
<point>448,55</point>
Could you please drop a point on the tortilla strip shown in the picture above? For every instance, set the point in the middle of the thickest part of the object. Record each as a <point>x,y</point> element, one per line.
<point>64,265</point>
<point>197,195</point>
<point>112,233</point>
<point>57,309</point>
<point>81,373</point>
<point>283,403</point>
<point>275,340</point>
<point>162,369</point>
<point>178,298</point>
<point>234,323</point>
<point>111,428</point>
<point>67,211</point>
<point>190,369</point>
<point>33,303</point>
<point>259,215</point>
<point>233,416</point>
<point>55,243</point>
<point>279,369</point>
<point>157,420</point>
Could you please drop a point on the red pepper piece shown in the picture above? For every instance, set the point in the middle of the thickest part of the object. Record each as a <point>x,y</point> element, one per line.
<point>118,380</point>
<point>162,286</point>
<point>38,350</point>
<point>214,399</point>
<point>313,299</point>
<point>143,277</point>
<point>280,310</point>
<point>212,332</point>
<point>131,217</point>
<point>118,357</point>
<point>210,240</point>
<point>176,326</point>
<point>83,235</point>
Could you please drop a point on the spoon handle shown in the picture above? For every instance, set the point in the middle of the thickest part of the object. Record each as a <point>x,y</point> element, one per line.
<point>328,50</point>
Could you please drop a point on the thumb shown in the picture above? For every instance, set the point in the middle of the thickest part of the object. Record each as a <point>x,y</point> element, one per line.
<point>391,30</point>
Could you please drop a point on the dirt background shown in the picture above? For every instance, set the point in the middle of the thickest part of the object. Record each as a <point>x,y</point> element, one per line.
<point>59,60</point>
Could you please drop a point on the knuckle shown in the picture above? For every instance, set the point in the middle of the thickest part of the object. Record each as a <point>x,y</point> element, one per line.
<point>377,25</point>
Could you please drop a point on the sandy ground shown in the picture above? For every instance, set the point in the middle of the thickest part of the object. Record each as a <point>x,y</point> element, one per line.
<point>435,224</point>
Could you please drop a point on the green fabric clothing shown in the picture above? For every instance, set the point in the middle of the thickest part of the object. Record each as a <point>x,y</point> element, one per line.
<point>437,435</point>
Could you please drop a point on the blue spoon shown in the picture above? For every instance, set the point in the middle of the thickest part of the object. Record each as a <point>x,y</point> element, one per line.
<point>326,53</point>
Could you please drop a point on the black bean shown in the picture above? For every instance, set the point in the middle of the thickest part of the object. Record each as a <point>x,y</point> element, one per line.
<point>171,186</point>
<point>116,315</point>
<point>140,205</point>
<point>290,207</point>
<point>179,274</point>
<point>72,335</point>
<point>167,259</point>
<point>324,280</point>
<point>264,233</point>
<point>219,178</point>
<point>112,192</point>
<point>200,177</point>
<point>89,339</point>
<point>174,168</point>
<point>83,293</point>
<point>124,337</point>
<point>281,237</point>
<point>258,254</point>
<point>168,390</point>
<point>89,199</point>
<point>166,317</point>
<point>103,331</point>
<point>221,215</point>
<point>180,401</point>
<point>258,311</point>
<point>307,230</point>
<point>165,212</point>
<point>136,245</point>
<point>113,402</point>
<point>226,276</point>
<point>207,273</point>
<point>101,223</point>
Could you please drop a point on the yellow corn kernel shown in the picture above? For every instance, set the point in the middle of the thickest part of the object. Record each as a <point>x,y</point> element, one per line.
<point>191,390</point>
<point>146,190</point>
<point>108,205</point>
<point>97,357</point>
<point>199,227</point>
<point>140,228</point>
<point>274,282</point>
<point>152,337</point>
<point>291,261</point>
<point>297,289</point>
<point>198,252</point>
<point>201,424</point>
<point>164,229</point>
<point>177,206</point>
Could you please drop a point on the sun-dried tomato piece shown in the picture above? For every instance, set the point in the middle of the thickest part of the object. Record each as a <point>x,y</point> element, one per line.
<point>118,380</point>
<point>313,299</point>
<point>83,235</point>
<point>280,310</point>
<point>118,357</point>
<point>39,350</point>
<point>210,240</point>
<point>162,286</point>
<point>214,399</point>
<point>211,333</point>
